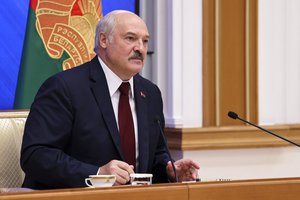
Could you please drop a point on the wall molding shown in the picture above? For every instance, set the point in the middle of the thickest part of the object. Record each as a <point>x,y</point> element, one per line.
<point>228,137</point>
<point>229,61</point>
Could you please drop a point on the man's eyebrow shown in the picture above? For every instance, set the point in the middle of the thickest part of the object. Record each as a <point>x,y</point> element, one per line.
<point>132,33</point>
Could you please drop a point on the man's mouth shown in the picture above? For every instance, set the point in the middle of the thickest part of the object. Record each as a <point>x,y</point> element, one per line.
<point>141,59</point>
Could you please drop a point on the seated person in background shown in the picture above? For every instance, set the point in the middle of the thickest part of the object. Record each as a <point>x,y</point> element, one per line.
<point>75,127</point>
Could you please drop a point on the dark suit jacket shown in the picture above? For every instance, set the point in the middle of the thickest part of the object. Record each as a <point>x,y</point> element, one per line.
<point>71,129</point>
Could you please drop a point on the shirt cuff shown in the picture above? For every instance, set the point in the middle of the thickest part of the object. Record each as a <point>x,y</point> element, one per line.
<point>98,172</point>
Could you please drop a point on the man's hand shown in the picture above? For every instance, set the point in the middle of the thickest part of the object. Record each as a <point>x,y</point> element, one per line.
<point>186,169</point>
<point>119,168</point>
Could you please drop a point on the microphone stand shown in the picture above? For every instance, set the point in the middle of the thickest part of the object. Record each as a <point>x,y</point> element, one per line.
<point>233,115</point>
<point>166,145</point>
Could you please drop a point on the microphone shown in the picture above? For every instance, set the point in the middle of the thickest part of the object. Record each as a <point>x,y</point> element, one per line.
<point>157,120</point>
<point>233,115</point>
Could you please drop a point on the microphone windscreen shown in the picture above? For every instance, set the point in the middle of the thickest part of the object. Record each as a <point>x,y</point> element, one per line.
<point>157,119</point>
<point>232,115</point>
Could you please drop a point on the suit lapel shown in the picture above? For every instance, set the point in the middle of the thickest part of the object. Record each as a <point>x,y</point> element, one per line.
<point>101,93</point>
<point>143,129</point>
<point>100,90</point>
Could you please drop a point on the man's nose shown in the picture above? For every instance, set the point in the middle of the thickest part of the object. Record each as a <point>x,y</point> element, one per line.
<point>140,46</point>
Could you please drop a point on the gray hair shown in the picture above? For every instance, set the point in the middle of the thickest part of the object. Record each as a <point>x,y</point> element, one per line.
<point>106,25</point>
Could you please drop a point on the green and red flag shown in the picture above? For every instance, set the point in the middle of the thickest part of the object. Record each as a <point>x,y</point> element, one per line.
<point>59,36</point>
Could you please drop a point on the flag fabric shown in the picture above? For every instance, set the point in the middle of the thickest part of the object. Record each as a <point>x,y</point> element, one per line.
<point>59,36</point>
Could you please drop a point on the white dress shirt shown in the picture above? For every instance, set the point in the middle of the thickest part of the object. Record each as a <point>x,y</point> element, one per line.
<point>114,82</point>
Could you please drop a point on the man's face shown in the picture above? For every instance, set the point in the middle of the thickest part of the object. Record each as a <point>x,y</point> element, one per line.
<point>126,50</point>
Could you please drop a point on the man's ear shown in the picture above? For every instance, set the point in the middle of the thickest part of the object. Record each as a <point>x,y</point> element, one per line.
<point>103,40</point>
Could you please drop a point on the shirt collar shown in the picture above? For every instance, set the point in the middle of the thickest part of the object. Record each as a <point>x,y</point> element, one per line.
<point>113,81</point>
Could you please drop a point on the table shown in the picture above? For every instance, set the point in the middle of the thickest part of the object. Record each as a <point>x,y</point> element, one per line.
<point>284,188</point>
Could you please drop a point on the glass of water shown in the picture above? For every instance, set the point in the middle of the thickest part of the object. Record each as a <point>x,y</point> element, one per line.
<point>141,179</point>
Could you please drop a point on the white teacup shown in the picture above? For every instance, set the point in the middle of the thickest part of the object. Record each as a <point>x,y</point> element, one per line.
<point>141,179</point>
<point>100,180</point>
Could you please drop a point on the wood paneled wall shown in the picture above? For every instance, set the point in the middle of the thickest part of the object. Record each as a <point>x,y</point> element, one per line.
<point>230,65</point>
<point>229,61</point>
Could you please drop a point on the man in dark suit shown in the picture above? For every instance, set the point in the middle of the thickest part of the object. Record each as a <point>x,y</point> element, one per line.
<point>72,130</point>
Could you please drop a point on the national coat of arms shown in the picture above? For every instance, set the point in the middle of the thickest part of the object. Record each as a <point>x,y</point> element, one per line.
<point>68,25</point>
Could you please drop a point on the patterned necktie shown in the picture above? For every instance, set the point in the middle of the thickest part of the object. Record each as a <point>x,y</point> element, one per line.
<point>126,127</point>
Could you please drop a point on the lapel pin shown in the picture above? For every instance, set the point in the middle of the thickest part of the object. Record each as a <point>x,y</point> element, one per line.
<point>142,94</point>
